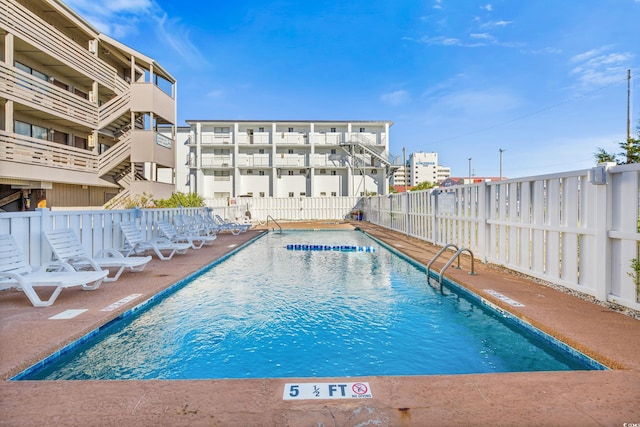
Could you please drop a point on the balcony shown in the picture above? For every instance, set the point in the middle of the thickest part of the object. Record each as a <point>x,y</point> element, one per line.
<point>16,19</point>
<point>290,138</point>
<point>257,138</point>
<point>290,160</point>
<point>41,95</point>
<point>152,147</point>
<point>254,160</point>
<point>216,138</point>
<point>212,161</point>
<point>147,97</point>
<point>327,138</point>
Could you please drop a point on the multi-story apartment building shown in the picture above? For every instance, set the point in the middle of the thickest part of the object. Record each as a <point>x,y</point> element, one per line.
<point>80,113</point>
<point>227,158</point>
<point>422,167</point>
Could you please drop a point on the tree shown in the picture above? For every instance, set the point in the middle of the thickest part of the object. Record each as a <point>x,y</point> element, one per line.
<point>630,152</point>
<point>425,185</point>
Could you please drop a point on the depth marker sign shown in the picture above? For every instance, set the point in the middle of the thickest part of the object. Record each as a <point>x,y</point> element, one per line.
<point>306,391</point>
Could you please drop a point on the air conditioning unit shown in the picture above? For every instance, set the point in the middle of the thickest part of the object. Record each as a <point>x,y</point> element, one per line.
<point>93,46</point>
<point>92,96</point>
<point>90,142</point>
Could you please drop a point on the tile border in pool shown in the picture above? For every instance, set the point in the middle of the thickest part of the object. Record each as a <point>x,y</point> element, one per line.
<point>507,315</point>
<point>148,303</point>
<point>153,300</point>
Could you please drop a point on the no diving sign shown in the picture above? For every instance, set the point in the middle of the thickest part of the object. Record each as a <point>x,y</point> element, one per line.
<point>306,391</point>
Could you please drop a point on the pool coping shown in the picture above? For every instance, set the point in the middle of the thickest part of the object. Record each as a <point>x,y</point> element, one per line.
<point>542,398</point>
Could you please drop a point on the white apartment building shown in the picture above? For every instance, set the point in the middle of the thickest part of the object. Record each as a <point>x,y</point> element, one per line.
<point>247,158</point>
<point>81,114</point>
<point>421,167</point>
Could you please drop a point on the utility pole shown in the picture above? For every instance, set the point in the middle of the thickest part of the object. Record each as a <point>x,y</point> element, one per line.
<point>629,116</point>
<point>501,151</point>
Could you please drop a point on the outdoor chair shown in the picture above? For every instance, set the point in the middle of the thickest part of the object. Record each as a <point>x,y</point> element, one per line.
<point>195,240</point>
<point>15,272</point>
<point>136,242</point>
<point>67,247</point>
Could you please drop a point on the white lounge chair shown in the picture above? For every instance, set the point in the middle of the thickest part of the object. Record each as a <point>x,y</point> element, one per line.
<point>135,242</point>
<point>66,247</point>
<point>234,227</point>
<point>16,273</point>
<point>195,240</point>
<point>195,224</point>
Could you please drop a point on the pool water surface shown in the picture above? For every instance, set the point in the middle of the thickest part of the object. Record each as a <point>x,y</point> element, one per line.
<point>270,312</point>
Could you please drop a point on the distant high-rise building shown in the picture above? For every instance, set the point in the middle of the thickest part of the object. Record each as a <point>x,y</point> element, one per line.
<point>421,167</point>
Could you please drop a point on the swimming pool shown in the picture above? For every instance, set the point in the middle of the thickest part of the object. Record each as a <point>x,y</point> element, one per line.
<point>269,311</point>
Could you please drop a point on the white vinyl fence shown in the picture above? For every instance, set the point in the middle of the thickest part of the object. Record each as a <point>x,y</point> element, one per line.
<point>574,229</point>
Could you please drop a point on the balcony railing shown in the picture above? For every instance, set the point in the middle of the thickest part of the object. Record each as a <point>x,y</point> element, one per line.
<point>116,154</point>
<point>254,160</point>
<point>32,151</point>
<point>18,20</point>
<point>215,161</point>
<point>221,138</point>
<point>26,89</point>
<point>290,160</point>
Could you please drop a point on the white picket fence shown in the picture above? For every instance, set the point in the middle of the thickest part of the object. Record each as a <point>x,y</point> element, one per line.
<point>574,229</point>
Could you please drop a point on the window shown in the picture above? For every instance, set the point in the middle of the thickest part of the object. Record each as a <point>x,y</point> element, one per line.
<point>260,129</point>
<point>290,130</point>
<point>221,130</point>
<point>261,151</point>
<point>333,151</point>
<point>291,194</point>
<point>221,176</point>
<point>290,173</point>
<point>250,194</point>
<point>333,173</point>
<point>323,171</point>
<point>34,131</point>
<point>302,194</point>
<point>303,172</point>
<point>290,151</point>
<point>374,171</point>
<point>333,130</point>
<point>361,129</point>
<point>334,194</point>
<point>261,173</point>
<point>261,194</point>
<point>249,172</point>
<point>29,70</point>
<point>323,193</point>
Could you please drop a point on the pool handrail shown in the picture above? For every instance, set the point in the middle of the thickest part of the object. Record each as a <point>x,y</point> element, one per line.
<point>456,255</point>
<point>444,248</point>
<point>269,217</point>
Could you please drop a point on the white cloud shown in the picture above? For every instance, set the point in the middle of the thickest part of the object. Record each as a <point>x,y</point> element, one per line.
<point>437,4</point>
<point>395,98</point>
<point>487,7</point>
<point>122,18</point>
<point>598,67</point>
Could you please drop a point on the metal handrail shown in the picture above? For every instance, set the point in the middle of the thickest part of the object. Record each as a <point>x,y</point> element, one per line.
<point>456,255</point>
<point>438,254</point>
<point>270,217</point>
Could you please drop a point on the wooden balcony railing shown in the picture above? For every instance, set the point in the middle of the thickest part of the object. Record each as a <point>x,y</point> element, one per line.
<point>18,20</point>
<point>26,89</point>
<point>33,151</point>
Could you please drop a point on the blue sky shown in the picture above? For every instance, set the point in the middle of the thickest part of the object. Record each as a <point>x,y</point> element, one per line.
<point>544,80</point>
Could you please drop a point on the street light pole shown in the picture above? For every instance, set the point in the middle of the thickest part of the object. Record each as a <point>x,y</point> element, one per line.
<point>470,170</point>
<point>501,151</point>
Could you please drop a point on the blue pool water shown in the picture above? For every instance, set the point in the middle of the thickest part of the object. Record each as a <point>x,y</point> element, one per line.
<point>269,311</point>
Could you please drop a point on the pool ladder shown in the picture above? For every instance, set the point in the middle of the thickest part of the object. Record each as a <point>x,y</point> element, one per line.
<point>276,222</point>
<point>453,258</point>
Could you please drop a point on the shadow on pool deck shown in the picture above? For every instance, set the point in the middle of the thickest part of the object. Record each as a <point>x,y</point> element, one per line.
<point>540,398</point>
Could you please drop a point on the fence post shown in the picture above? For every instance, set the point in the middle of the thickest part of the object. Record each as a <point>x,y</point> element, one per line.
<point>483,225</point>
<point>406,216</point>
<point>602,260</point>
<point>45,224</point>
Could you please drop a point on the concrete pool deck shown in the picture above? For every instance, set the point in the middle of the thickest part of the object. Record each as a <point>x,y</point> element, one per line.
<point>609,398</point>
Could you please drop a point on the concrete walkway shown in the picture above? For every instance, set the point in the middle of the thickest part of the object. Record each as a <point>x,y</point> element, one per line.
<point>609,398</point>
